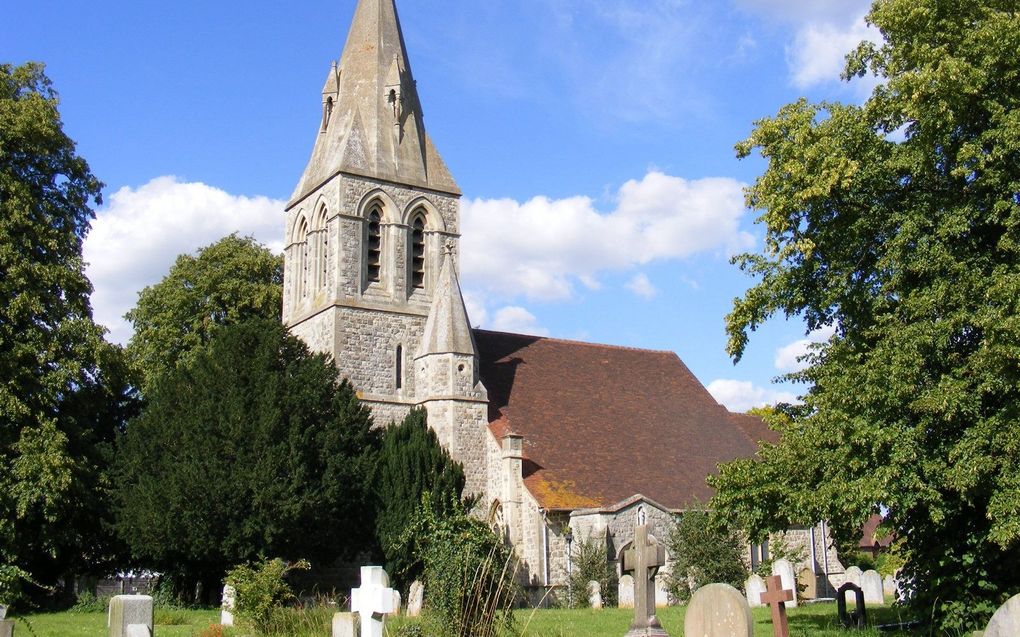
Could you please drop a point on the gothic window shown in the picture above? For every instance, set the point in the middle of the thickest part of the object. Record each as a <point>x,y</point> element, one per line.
<point>400,366</point>
<point>327,113</point>
<point>323,248</point>
<point>418,253</point>
<point>374,242</point>
<point>302,248</point>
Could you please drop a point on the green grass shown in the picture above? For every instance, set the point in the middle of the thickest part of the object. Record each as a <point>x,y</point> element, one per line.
<point>814,620</point>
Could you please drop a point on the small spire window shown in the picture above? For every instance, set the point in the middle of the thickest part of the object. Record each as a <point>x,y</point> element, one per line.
<point>374,259</point>
<point>418,253</point>
<point>327,113</point>
<point>400,367</point>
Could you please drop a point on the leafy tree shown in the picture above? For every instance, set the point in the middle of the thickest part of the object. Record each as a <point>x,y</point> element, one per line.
<point>230,281</point>
<point>702,551</point>
<point>898,223</point>
<point>251,448</point>
<point>590,563</point>
<point>412,463</point>
<point>61,391</point>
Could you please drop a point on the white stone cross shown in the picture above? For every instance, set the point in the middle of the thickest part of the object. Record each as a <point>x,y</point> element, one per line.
<point>373,601</point>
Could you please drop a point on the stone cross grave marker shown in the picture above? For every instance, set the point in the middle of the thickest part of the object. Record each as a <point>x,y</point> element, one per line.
<point>776,596</point>
<point>415,599</point>
<point>784,569</point>
<point>718,610</point>
<point>1006,621</point>
<point>127,611</point>
<point>373,600</point>
<point>227,605</point>
<point>871,584</point>
<point>643,559</point>
<point>754,586</point>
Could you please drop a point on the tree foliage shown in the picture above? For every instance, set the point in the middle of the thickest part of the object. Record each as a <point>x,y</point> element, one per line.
<point>898,223</point>
<point>589,557</point>
<point>702,551</point>
<point>251,448</point>
<point>231,281</point>
<point>62,390</point>
<point>412,463</point>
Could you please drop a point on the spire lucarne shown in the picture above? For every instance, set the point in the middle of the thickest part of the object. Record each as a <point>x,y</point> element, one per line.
<point>372,120</point>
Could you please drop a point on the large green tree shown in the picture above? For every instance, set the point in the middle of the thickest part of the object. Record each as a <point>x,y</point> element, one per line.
<point>898,223</point>
<point>62,392</point>
<point>230,281</point>
<point>412,465</point>
<point>252,447</point>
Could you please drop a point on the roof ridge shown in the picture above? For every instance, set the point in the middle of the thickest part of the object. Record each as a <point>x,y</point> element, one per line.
<point>578,342</point>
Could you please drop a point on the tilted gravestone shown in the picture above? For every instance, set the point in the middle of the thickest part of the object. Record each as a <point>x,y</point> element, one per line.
<point>1006,621</point>
<point>643,559</point>
<point>626,592</point>
<point>127,611</point>
<point>754,586</point>
<point>857,618</point>
<point>374,600</point>
<point>807,583</point>
<point>229,601</point>
<point>415,599</point>
<point>784,570</point>
<point>346,625</point>
<point>871,584</point>
<point>853,575</point>
<point>718,610</point>
<point>594,594</point>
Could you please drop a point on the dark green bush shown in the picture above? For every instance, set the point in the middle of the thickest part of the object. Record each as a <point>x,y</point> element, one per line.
<point>702,552</point>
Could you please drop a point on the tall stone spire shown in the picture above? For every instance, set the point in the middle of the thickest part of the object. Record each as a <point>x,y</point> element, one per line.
<point>372,122</point>
<point>448,330</point>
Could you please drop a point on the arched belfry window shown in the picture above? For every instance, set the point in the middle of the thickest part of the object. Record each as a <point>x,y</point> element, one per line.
<point>399,364</point>
<point>301,241</point>
<point>323,247</point>
<point>374,243</point>
<point>418,252</point>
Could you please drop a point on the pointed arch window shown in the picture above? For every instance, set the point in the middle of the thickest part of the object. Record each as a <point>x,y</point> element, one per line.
<point>374,243</point>
<point>400,367</point>
<point>418,252</point>
<point>302,267</point>
<point>323,247</point>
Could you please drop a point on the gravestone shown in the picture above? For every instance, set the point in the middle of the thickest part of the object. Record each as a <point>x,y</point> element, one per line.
<point>128,610</point>
<point>784,569</point>
<point>857,618</point>
<point>718,610</point>
<point>415,598</point>
<point>594,594</point>
<point>138,630</point>
<point>807,584</point>
<point>6,628</point>
<point>3,612</point>
<point>374,600</point>
<point>889,585</point>
<point>626,592</point>
<point>227,605</point>
<point>1006,621</point>
<point>346,625</point>
<point>754,586</point>
<point>643,559</point>
<point>871,584</point>
<point>777,595</point>
<point>661,592</point>
<point>853,575</point>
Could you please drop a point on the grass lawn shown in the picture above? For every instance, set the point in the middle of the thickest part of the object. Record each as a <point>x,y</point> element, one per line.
<point>817,619</point>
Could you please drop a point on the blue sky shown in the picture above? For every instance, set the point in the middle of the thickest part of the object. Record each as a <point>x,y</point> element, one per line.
<point>593,141</point>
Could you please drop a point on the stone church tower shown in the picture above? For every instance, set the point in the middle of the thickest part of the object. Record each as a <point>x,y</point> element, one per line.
<point>372,235</point>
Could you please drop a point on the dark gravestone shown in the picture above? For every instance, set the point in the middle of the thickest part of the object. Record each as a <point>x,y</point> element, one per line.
<point>857,618</point>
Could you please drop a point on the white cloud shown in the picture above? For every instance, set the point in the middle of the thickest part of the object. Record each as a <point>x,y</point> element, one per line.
<point>788,357</point>
<point>740,395</point>
<point>818,52</point>
<point>138,234</point>
<point>539,249</point>
<point>641,286</point>
<point>799,11</point>
<point>517,320</point>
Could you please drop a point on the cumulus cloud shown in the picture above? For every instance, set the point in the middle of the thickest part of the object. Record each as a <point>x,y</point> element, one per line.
<point>541,248</point>
<point>818,53</point>
<point>517,320</point>
<point>641,286</point>
<point>788,358</point>
<point>138,234</point>
<point>741,395</point>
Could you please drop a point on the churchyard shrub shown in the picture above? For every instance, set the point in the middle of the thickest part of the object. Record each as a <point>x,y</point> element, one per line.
<point>590,563</point>
<point>88,602</point>
<point>261,589</point>
<point>702,551</point>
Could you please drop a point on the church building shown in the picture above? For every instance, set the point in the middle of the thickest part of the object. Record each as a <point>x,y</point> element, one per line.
<point>562,440</point>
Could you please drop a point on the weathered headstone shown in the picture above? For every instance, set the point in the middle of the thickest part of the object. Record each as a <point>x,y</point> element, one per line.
<point>889,585</point>
<point>126,610</point>
<point>6,628</point>
<point>346,625</point>
<point>857,618</point>
<point>807,583</point>
<point>784,569</point>
<point>227,605</point>
<point>373,600</point>
<point>754,586</point>
<point>594,594</point>
<point>626,592</point>
<point>643,559</point>
<point>415,599</point>
<point>853,575</point>
<point>718,610</point>
<point>871,584</point>
<point>1006,621</point>
<point>3,612</point>
<point>661,592</point>
<point>138,630</point>
<point>776,596</point>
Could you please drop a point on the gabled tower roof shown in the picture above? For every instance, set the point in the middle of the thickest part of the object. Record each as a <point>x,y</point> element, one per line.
<point>373,123</point>
<point>447,330</point>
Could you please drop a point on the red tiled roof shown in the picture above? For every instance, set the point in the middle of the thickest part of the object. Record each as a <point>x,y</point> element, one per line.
<point>602,423</point>
<point>869,538</point>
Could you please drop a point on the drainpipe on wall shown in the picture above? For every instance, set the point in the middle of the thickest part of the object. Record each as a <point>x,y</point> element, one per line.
<point>814,553</point>
<point>825,553</point>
